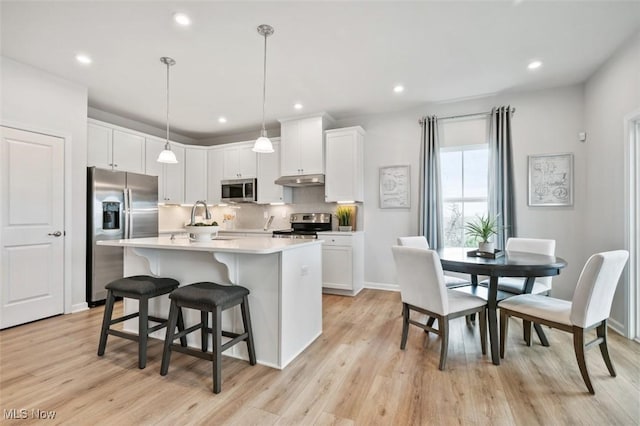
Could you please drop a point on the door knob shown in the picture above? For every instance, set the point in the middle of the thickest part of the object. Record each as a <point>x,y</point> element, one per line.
<point>55,234</point>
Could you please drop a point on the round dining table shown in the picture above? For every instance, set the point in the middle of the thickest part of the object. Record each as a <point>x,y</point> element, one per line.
<point>508,264</point>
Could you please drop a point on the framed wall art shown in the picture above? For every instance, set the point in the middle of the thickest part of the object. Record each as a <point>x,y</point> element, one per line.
<point>395,187</point>
<point>550,180</point>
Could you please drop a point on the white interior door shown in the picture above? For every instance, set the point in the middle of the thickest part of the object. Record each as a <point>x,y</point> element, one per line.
<point>31,220</point>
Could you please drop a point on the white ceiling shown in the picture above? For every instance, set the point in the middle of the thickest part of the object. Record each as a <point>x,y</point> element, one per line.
<point>341,57</point>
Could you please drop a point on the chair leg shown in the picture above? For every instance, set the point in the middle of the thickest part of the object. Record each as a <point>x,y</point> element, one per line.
<point>183,339</point>
<point>405,325</point>
<point>578,345</point>
<point>204,334</point>
<point>443,325</point>
<point>246,320</point>
<point>526,329</point>
<point>504,329</point>
<point>143,333</point>
<point>106,320</point>
<point>430,323</point>
<point>217,352</point>
<point>483,330</point>
<point>601,331</point>
<point>174,311</point>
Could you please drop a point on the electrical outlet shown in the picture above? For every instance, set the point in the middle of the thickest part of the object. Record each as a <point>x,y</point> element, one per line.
<point>304,270</point>
<point>265,214</point>
<point>284,214</point>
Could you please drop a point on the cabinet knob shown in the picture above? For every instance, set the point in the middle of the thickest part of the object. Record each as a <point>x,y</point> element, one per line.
<point>115,165</point>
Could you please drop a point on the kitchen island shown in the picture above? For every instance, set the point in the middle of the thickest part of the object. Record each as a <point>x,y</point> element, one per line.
<point>283,275</point>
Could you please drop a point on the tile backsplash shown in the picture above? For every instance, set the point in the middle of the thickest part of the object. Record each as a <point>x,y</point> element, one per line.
<point>251,216</point>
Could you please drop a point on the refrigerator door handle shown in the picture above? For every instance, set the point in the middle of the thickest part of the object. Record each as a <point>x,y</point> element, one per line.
<point>130,195</point>
<point>127,213</point>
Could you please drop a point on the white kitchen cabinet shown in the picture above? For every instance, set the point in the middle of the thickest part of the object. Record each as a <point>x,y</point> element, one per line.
<point>342,262</point>
<point>215,162</point>
<point>195,174</point>
<point>302,144</point>
<point>344,174</point>
<point>111,147</point>
<point>170,176</point>
<point>268,172</point>
<point>239,161</point>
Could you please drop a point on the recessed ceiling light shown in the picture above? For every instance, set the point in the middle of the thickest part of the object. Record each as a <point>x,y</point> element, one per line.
<point>534,64</point>
<point>222,120</point>
<point>398,89</point>
<point>297,106</point>
<point>182,19</point>
<point>83,59</point>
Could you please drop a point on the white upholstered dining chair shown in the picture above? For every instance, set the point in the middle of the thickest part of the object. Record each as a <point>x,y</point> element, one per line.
<point>421,242</point>
<point>422,288</point>
<point>589,308</point>
<point>515,285</point>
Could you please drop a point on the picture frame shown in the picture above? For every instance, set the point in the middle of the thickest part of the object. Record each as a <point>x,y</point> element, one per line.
<point>395,187</point>
<point>550,180</point>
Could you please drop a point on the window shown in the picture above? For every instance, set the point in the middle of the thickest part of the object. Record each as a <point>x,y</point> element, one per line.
<point>464,162</point>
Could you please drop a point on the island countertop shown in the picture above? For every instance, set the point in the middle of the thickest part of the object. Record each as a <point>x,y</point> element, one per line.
<point>223,245</point>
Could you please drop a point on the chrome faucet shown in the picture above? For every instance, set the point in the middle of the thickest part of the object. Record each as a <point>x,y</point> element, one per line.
<point>193,211</point>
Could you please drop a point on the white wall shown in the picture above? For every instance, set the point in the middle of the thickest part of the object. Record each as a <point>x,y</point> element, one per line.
<point>610,94</point>
<point>35,100</point>
<point>545,122</point>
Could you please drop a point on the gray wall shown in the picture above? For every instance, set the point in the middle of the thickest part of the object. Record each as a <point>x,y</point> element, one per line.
<point>38,101</point>
<point>545,122</point>
<point>610,94</point>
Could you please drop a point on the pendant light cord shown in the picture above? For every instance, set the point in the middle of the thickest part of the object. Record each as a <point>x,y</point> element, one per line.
<point>167,143</point>
<point>264,83</point>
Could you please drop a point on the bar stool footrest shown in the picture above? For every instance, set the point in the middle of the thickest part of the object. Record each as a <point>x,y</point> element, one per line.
<point>124,335</point>
<point>124,318</point>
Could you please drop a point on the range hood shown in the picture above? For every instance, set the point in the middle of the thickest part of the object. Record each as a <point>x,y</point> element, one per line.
<point>300,180</point>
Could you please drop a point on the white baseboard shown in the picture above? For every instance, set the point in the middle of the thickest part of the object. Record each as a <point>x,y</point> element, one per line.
<point>381,286</point>
<point>79,307</point>
<point>617,327</point>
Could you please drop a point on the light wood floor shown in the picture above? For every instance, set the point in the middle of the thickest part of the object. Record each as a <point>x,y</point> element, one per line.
<point>354,373</point>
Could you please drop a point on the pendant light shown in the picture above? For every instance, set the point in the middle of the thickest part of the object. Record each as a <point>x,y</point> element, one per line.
<point>167,156</point>
<point>263,144</point>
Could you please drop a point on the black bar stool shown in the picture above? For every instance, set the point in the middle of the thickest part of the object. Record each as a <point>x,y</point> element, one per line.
<point>215,298</point>
<point>142,288</point>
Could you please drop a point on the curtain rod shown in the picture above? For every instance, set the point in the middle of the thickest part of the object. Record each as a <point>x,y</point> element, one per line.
<point>451,117</point>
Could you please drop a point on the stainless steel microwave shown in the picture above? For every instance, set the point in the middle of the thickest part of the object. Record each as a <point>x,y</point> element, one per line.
<point>239,190</point>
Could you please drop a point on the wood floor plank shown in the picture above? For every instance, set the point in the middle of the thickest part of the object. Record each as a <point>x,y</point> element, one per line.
<point>353,374</point>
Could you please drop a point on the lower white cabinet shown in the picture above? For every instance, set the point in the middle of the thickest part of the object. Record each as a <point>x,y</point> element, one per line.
<point>342,262</point>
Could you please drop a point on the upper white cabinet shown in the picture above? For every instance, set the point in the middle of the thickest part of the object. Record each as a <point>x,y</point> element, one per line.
<point>215,162</point>
<point>110,147</point>
<point>268,172</point>
<point>302,145</point>
<point>195,176</point>
<point>344,177</point>
<point>171,177</point>
<point>239,161</point>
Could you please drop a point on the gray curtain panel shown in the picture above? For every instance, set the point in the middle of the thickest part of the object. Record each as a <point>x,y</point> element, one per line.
<point>430,220</point>
<point>501,183</point>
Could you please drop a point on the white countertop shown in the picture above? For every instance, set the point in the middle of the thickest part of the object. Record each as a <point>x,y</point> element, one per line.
<point>256,245</point>
<point>230,231</point>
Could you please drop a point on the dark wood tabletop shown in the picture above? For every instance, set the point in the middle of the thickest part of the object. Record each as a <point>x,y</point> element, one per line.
<point>511,264</point>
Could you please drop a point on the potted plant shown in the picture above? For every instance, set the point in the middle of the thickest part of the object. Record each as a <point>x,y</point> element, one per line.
<point>344,215</point>
<point>482,228</point>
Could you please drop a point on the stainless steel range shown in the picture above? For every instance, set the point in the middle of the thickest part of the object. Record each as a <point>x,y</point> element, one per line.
<point>305,225</point>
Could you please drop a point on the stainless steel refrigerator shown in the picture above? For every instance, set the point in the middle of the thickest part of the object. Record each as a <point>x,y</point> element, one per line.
<point>119,205</point>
